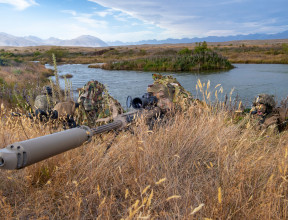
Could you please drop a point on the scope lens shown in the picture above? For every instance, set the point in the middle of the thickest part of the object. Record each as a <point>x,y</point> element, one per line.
<point>137,103</point>
<point>1,161</point>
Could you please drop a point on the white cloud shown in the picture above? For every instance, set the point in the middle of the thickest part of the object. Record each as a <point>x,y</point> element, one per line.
<point>20,4</point>
<point>86,19</point>
<point>194,18</point>
<point>104,13</point>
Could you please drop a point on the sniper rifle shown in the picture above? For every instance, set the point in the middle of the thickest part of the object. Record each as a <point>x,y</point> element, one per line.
<point>24,153</point>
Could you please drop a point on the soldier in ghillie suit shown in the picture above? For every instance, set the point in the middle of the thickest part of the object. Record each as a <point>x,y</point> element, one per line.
<point>169,93</point>
<point>96,106</point>
<point>43,103</point>
<point>267,115</point>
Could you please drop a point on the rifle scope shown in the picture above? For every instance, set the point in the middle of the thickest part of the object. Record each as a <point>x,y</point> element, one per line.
<point>146,100</point>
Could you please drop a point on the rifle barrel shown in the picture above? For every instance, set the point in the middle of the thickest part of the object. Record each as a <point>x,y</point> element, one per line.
<point>108,127</point>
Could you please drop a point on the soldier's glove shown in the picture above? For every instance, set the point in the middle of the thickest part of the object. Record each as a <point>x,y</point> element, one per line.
<point>54,114</point>
<point>41,114</point>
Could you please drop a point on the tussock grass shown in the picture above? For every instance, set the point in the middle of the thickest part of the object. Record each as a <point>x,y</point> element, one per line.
<point>192,166</point>
<point>21,82</point>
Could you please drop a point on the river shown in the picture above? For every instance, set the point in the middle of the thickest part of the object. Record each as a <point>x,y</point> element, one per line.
<point>248,80</point>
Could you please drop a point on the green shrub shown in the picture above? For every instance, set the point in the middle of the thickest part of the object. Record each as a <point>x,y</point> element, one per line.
<point>4,62</point>
<point>201,47</point>
<point>202,60</point>
<point>58,52</point>
<point>184,51</point>
<point>285,48</point>
<point>37,53</point>
<point>142,52</point>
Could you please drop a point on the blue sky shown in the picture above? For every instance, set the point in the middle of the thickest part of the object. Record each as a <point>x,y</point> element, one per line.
<point>135,20</point>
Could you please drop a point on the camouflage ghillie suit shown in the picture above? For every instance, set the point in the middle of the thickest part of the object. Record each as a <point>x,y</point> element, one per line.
<point>96,106</point>
<point>170,93</point>
<point>265,115</point>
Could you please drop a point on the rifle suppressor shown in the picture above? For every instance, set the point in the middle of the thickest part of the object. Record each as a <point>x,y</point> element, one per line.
<point>25,153</point>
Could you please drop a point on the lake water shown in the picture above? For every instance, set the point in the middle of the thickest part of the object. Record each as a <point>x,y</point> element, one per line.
<point>248,80</point>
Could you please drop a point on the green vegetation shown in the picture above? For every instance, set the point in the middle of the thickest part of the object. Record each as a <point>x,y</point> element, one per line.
<point>4,62</point>
<point>59,54</point>
<point>201,58</point>
<point>285,48</point>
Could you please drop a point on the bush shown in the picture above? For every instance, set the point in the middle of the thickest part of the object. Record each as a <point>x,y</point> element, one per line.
<point>59,54</point>
<point>4,62</point>
<point>203,59</point>
<point>184,51</point>
<point>285,48</point>
<point>201,47</point>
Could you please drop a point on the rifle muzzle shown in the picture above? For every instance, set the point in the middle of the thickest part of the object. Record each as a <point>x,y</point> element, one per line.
<point>25,153</point>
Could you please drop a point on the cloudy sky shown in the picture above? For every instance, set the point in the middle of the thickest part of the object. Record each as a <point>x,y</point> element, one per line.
<point>134,20</point>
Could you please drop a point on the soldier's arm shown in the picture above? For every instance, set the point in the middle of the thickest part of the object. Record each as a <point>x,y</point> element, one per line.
<point>271,121</point>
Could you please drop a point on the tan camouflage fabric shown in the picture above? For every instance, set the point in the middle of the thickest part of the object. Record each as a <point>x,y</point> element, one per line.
<point>43,102</point>
<point>96,106</point>
<point>65,108</point>
<point>170,93</point>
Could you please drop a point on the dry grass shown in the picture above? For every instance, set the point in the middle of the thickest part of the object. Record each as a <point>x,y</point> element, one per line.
<point>24,73</point>
<point>193,166</point>
<point>20,82</point>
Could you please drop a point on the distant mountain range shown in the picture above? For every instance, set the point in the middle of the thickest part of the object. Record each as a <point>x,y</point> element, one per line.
<point>83,41</point>
<point>90,41</point>
<point>283,35</point>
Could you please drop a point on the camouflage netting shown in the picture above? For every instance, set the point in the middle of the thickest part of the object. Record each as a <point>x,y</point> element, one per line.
<point>95,103</point>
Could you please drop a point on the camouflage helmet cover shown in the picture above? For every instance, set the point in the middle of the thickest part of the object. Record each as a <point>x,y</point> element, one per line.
<point>169,92</point>
<point>47,90</point>
<point>91,95</point>
<point>265,99</point>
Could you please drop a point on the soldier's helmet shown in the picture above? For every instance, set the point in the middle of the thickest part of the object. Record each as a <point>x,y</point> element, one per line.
<point>265,99</point>
<point>47,90</point>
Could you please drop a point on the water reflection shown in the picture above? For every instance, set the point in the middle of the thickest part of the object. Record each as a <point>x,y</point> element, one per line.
<point>247,79</point>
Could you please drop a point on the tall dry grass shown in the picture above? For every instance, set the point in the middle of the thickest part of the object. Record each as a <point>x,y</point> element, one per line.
<point>193,166</point>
